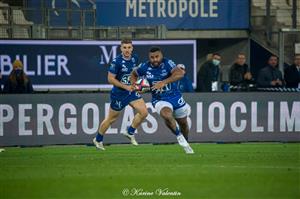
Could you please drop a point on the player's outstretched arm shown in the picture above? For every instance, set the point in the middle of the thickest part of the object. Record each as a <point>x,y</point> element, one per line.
<point>111,78</point>
<point>176,74</point>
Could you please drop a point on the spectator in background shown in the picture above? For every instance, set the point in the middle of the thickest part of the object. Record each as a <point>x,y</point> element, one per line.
<point>240,75</point>
<point>208,75</point>
<point>18,81</point>
<point>292,73</point>
<point>209,56</point>
<point>185,84</point>
<point>270,76</point>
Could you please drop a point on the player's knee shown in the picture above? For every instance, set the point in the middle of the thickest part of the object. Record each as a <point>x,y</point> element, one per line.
<point>166,115</point>
<point>144,113</point>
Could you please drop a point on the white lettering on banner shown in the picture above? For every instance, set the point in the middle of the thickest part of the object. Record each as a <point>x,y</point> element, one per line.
<point>172,8</point>
<point>233,120</point>
<point>107,57</point>
<point>28,72</point>
<point>172,5</point>
<point>151,120</point>
<point>151,5</point>
<point>6,115</point>
<point>270,116</point>
<point>211,117</point>
<point>182,7</point>
<point>62,62</point>
<point>254,126</point>
<point>189,112</point>
<point>49,64</point>
<point>85,118</point>
<point>44,119</point>
<point>289,121</point>
<point>110,130</point>
<point>142,8</point>
<point>199,117</point>
<point>5,64</point>
<point>62,119</point>
<point>23,119</point>
<point>161,7</point>
<point>67,121</point>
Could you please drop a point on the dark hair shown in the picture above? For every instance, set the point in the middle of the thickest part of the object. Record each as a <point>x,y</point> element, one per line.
<point>126,41</point>
<point>241,54</point>
<point>272,56</point>
<point>297,54</point>
<point>216,54</point>
<point>154,49</point>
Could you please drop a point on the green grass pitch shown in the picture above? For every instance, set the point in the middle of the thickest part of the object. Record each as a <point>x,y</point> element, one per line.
<point>256,170</point>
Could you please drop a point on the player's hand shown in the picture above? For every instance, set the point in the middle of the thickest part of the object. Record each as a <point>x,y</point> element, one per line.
<point>158,86</point>
<point>279,82</point>
<point>248,76</point>
<point>130,88</point>
<point>274,82</point>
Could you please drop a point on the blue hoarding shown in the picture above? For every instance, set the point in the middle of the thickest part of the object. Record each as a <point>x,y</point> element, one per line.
<point>83,64</point>
<point>175,14</point>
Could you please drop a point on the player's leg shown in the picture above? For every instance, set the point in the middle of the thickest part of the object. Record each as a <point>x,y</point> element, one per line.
<point>112,116</point>
<point>165,110</point>
<point>105,124</point>
<point>142,112</point>
<point>180,115</point>
<point>135,100</point>
<point>184,127</point>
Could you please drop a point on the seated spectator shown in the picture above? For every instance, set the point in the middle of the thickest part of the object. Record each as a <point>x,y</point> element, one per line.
<point>185,84</point>
<point>208,75</point>
<point>240,76</point>
<point>18,81</point>
<point>270,76</point>
<point>292,73</point>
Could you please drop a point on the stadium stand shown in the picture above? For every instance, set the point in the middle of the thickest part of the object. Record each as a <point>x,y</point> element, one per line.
<point>280,17</point>
<point>3,20</point>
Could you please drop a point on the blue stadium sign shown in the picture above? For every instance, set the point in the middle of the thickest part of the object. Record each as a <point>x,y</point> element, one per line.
<point>83,65</point>
<point>175,14</point>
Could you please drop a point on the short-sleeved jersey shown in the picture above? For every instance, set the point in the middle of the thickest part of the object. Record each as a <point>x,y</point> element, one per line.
<point>159,73</point>
<point>122,68</point>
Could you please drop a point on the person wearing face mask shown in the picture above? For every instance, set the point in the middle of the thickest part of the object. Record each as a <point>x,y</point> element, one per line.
<point>208,75</point>
<point>270,76</point>
<point>18,81</point>
<point>292,73</point>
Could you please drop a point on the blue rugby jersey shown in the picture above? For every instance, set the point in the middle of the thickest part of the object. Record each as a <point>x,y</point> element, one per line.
<point>122,68</point>
<point>159,73</point>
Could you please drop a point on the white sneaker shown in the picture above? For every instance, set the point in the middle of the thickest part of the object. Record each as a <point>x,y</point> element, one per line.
<point>131,138</point>
<point>99,145</point>
<point>185,145</point>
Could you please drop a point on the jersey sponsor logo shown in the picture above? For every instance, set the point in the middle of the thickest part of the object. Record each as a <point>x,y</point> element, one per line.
<point>149,75</point>
<point>118,103</point>
<point>181,101</point>
<point>126,79</point>
<point>124,68</point>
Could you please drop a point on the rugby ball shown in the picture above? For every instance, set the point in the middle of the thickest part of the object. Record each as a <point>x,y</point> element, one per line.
<point>142,84</point>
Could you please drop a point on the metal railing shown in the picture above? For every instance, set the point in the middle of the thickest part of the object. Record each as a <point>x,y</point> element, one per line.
<point>48,23</point>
